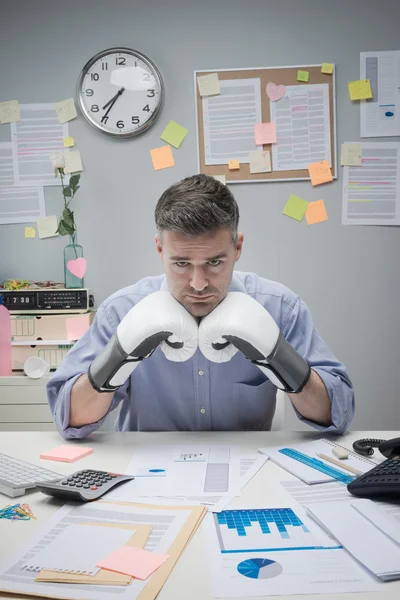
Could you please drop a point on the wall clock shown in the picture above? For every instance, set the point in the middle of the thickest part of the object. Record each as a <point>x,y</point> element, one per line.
<point>120,92</point>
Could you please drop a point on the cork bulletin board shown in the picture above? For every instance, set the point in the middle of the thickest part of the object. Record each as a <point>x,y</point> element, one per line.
<point>279,75</point>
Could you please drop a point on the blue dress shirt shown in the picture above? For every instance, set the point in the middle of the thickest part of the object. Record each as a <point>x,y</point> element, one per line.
<point>197,394</point>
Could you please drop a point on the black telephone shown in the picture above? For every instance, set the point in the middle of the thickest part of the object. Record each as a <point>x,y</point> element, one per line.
<point>383,481</point>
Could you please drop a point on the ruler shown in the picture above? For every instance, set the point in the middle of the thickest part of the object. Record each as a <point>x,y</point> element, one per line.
<point>314,463</point>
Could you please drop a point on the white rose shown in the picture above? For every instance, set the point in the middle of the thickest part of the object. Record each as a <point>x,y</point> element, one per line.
<point>57,160</point>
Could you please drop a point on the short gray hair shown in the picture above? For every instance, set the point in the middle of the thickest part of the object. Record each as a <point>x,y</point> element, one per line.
<point>196,205</point>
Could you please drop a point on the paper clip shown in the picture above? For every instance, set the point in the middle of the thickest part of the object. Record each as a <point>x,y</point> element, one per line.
<point>14,512</point>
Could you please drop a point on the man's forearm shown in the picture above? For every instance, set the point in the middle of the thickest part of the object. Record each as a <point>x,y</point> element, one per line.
<point>87,405</point>
<point>313,402</point>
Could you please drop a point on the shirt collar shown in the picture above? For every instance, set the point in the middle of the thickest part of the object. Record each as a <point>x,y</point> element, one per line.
<point>235,285</point>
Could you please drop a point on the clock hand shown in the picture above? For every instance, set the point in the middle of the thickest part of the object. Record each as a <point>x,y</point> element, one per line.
<point>113,101</point>
<point>114,97</point>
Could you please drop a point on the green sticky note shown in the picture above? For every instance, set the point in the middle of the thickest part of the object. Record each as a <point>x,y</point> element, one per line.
<point>303,76</point>
<point>295,207</point>
<point>174,134</point>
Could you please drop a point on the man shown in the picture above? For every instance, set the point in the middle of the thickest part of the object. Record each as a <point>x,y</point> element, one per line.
<point>203,347</point>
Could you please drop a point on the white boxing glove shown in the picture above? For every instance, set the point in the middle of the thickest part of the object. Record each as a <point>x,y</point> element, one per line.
<point>157,320</point>
<point>240,323</point>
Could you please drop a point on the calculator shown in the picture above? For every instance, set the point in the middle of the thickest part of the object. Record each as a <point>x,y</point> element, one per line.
<point>84,486</point>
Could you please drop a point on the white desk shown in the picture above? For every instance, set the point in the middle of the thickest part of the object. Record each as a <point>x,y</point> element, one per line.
<point>112,451</point>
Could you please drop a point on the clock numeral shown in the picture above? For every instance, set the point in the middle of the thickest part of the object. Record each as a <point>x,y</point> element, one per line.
<point>135,120</point>
<point>146,77</point>
<point>151,93</point>
<point>104,120</point>
<point>147,108</point>
<point>120,124</point>
<point>120,60</point>
<point>94,76</point>
<point>104,66</point>
<point>89,92</point>
<point>94,108</point>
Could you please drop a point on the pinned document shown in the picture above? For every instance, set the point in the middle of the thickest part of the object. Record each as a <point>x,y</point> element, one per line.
<point>320,172</point>
<point>68,142</point>
<point>360,89</point>
<point>209,85</point>
<point>47,226</point>
<point>233,165</point>
<point>73,162</point>
<point>303,76</point>
<point>260,161</point>
<point>265,133</point>
<point>65,110</point>
<point>9,112</point>
<point>350,155</point>
<point>327,68</point>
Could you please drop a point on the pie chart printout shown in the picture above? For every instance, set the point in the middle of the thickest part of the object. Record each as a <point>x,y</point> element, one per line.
<point>259,568</point>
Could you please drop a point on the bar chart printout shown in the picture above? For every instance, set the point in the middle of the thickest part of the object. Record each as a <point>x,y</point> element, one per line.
<point>263,530</point>
<point>371,193</point>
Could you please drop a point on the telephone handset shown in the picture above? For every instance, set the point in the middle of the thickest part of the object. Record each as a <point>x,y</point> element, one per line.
<point>388,448</point>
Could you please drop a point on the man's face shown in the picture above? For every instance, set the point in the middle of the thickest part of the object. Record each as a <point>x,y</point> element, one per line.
<point>199,268</point>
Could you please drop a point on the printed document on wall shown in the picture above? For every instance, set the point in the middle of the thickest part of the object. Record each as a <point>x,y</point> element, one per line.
<point>17,204</point>
<point>229,119</point>
<point>34,138</point>
<point>380,116</point>
<point>371,193</point>
<point>303,130</point>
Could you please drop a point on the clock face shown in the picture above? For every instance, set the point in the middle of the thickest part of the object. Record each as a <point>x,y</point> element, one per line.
<point>120,92</point>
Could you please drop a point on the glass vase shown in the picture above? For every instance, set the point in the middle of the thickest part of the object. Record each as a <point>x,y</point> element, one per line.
<point>72,252</point>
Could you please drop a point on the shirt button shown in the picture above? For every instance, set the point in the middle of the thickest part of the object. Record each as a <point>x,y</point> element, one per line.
<point>203,411</point>
<point>201,372</point>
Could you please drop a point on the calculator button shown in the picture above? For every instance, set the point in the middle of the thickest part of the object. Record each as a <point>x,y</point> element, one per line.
<point>87,486</point>
<point>64,482</point>
<point>93,487</point>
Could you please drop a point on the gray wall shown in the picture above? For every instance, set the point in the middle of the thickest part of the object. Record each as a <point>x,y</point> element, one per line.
<point>349,276</point>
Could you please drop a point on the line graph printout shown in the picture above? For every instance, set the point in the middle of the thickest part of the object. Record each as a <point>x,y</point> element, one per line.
<point>302,120</point>
<point>371,193</point>
<point>229,119</point>
<point>34,138</point>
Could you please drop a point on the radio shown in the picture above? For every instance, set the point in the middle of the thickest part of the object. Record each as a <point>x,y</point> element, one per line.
<point>47,300</point>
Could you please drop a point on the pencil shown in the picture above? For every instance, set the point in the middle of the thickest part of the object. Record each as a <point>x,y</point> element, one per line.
<point>339,463</point>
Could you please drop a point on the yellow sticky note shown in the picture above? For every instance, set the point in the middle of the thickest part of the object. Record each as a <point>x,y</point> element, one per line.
<point>162,158</point>
<point>221,178</point>
<point>265,133</point>
<point>351,155</point>
<point>320,172</point>
<point>303,76</point>
<point>30,232</point>
<point>209,85</point>
<point>233,164</point>
<point>295,207</point>
<point>9,112</point>
<point>65,110</point>
<point>360,90</point>
<point>327,68</point>
<point>47,226</point>
<point>174,134</point>
<point>69,142</point>
<point>316,212</point>
<point>73,162</point>
<point>260,161</point>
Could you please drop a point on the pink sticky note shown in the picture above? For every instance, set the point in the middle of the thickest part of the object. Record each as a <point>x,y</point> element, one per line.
<point>77,326</point>
<point>275,92</point>
<point>265,133</point>
<point>67,453</point>
<point>133,561</point>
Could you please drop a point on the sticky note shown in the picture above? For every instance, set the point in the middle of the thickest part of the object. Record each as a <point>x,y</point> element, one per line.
<point>133,561</point>
<point>68,142</point>
<point>265,133</point>
<point>73,161</point>
<point>351,155</point>
<point>327,68</point>
<point>209,85</point>
<point>9,112</point>
<point>77,326</point>
<point>275,92</point>
<point>303,76</point>
<point>320,172</point>
<point>260,161</point>
<point>174,134</point>
<point>360,90</point>
<point>65,110</point>
<point>316,212</point>
<point>47,226</point>
<point>30,232</point>
<point>233,164</point>
<point>162,158</point>
<point>67,453</point>
<point>295,207</point>
<point>221,178</point>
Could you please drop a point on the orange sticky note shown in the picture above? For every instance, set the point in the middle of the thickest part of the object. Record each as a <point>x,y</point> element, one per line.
<point>162,158</point>
<point>265,133</point>
<point>233,164</point>
<point>77,326</point>
<point>320,172</point>
<point>316,212</point>
<point>132,561</point>
<point>67,453</point>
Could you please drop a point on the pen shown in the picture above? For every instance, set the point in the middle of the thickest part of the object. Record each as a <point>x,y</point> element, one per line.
<point>339,463</point>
